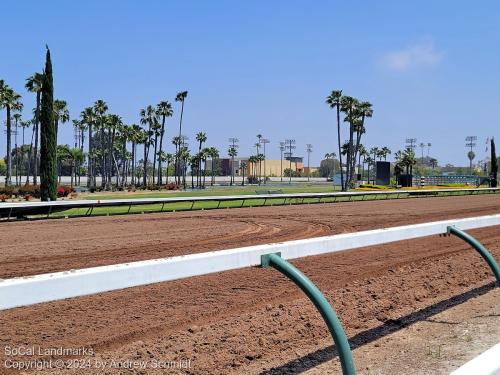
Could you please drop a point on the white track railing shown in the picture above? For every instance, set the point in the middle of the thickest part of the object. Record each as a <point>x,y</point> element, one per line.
<point>23,291</point>
<point>487,363</point>
<point>32,208</point>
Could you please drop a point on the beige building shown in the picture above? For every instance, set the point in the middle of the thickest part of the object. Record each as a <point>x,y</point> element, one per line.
<point>270,168</point>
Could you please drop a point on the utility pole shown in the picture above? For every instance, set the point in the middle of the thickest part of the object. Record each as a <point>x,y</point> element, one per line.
<point>309,150</point>
<point>471,155</point>
<point>282,148</point>
<point>290,145</point>
<point>264,141</point>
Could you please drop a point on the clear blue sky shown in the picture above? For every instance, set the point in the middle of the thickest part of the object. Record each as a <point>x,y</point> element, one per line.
<point>429,68</point>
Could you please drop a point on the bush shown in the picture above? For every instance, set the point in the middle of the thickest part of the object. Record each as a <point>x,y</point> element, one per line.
<point>172,186</point>
<point>64,191</point>
<point>31,190</point>
<point>252,180</point>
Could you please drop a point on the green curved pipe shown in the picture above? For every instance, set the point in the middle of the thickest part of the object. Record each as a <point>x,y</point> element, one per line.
<point>321,303</point>
<point>480,249</point>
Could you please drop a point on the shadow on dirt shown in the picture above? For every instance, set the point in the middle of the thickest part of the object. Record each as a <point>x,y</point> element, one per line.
<point>318,357</point>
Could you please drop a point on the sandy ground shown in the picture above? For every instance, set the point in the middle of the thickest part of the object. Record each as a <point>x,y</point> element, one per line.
<point>247,321</point>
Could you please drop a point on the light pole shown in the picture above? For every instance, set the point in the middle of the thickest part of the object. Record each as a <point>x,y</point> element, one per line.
<point>290,145</point>
<point>471,155</point>
<point>282,148</point>
<point>411,143</point>
<point>264,141</point>
<point>422,146</point>
<point>308,150</point>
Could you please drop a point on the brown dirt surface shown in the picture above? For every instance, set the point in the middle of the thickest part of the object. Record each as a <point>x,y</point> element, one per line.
<point>245,321</point>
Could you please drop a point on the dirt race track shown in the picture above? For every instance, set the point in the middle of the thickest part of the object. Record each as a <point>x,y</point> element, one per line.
<point>244,321</point>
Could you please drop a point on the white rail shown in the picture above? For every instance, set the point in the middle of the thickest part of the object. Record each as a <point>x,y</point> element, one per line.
<point>30,208</point>
<point>23,291</point>
<point>487,363</point>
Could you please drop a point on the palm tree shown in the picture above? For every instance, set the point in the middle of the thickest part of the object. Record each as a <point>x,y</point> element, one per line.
<point>34,84</point>
<point>100,109</point>
<point>62,152</point>
<point>148,117</point>
<point>180,97</point>
<point>88,118</point>
<point>349,106</point>
<point>364,110</point>
<point>136,136</point>
<point>164,110</point>
<point>61,113</point>
<point>243,166</point>
<point>201,137</point>
<point>10,100</point>
<point>17,120</point>
<point>75,155</point>
<point>113,123</point>
<point>184,157</point>
<point>214,155</point>
<point>232,152</point>
<point>333,100</point>
<point>386,151</point>
<point>169,158</point>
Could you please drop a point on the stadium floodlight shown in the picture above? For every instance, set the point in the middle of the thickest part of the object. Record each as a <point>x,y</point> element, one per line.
<point>264,141</point>
<point>411,143</point>
<point>470,142</point>
<point>290,145</point>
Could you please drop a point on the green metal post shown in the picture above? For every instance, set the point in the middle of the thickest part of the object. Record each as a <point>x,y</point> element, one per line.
<point>480,249</point>
<point>321,303</point>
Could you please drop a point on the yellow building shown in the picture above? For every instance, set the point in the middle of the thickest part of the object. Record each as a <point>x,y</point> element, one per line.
<point>273,168</point>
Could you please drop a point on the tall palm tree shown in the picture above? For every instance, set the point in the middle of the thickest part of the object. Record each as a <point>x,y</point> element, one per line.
<point>75,155</point>
<point>25,125</point>
<point>349,106</point>
<point>243,166</point>
<point>333,100</point>
<point>164,110</point>
<point>364,110</point>
<point>61,113</point>
<point>10,100</point>
<point>232,152</point>
<point>201,137</point>
<point>180,97</point>
<point>88,117</point>
<point>136,136</point>
<point>34,84</point>
<point>385,152</point>
<point>148,117</point>
<point>214,155</point>
<point>17,119</point>
<point>100,109</point>
<point>169,158</point>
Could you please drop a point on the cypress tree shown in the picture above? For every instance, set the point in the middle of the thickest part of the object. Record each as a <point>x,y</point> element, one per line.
<point>494,165</point>
<point>48,146</point>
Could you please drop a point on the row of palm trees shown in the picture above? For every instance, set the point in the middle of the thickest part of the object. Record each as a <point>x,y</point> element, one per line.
<point>355,112</point>
<point>108,153</point>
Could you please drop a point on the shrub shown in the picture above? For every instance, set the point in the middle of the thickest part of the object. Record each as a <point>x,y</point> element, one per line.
<point>172,186</point>
<point>32,190</point>
<point>64,191</point>
<point>252,180</point>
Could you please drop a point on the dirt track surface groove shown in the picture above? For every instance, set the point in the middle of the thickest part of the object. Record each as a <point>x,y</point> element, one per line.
<point>245,321</point>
